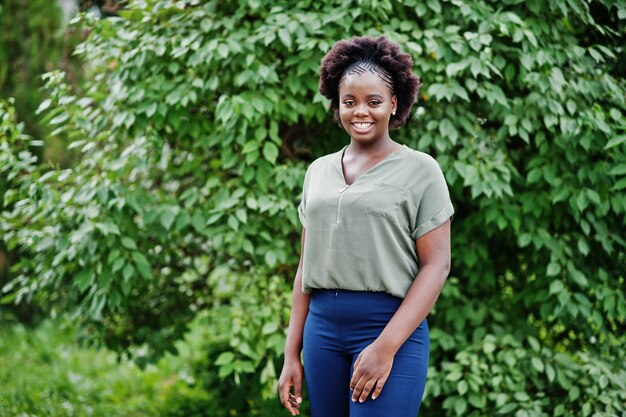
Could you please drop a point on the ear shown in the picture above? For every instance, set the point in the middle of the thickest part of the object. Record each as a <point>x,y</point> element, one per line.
<point>338,119</point>
<point>394,104</point>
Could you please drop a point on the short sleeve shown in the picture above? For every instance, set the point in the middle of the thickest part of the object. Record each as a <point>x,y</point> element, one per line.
<point>302,205</point>
<point>434,206</point>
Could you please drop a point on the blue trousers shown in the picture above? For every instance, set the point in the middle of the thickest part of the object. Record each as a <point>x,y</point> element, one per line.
<point>339,325</point>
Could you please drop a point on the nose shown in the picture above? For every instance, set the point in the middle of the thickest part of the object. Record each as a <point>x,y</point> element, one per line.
<point>361,111</point>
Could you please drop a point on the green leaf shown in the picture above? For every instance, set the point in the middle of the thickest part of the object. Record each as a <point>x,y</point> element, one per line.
<point>197,221</point>
<point>619,169</point>
<point>108,228</point>
<point>128,243</point>
<point>615,141</point>
<point>489,347</point>
<point>43,106</point>
<point>534,344</point>
<point>142,264</point>
<point>224,358</point>
<point>460,406</point>
<point>233,223</point>
<point>559,410</point>
<point>537,364</point>
<point>553,269</point>
<point>582,202</point>
<point>508,408</point>
<point>524,239</point>
<point>556,287</point>
<point>521,396</point>
<point>242,215</point>
<point>63,117</point>
<point>619,185</point>
<point>533,176</point>
<point>455,68</point>
<point>270,327</point>
<point>151,109</point>
<point>270,151</point>
<point>84,279</point>
<point>167,217</point>
<point>128,272</point>
<point>182,220</point>
<point>222,51</point>
<point>8,299</point>
<point>461,387</point>
<point>578,277</point>
<point>118,264</point>
<point>285,37</point>
<point>270,258</point>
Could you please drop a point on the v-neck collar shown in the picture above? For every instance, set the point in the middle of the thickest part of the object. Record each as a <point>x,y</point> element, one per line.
<point>339,163</point>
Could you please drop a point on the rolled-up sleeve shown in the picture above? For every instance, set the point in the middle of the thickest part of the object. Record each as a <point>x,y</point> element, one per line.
<point>434,206</point>
<point>302,205</point>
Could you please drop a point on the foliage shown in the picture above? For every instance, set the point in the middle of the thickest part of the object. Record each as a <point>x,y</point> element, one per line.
<point>49,370</point>
<point>15,159</point>
<point>195,133</point>
<point>33,42</point>
<point>29,48</point>
<point>44,372</point>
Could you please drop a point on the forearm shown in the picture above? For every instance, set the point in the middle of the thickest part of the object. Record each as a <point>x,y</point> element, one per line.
<point>417,303</point>
<point>299,311</point>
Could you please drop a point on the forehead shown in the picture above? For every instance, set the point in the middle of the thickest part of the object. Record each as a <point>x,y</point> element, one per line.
<point>365,83</point>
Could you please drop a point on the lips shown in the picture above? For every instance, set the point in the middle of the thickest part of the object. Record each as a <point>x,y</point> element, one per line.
<point>362,127</point>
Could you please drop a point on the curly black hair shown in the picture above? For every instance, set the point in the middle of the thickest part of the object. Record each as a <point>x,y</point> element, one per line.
<point>378,55</point>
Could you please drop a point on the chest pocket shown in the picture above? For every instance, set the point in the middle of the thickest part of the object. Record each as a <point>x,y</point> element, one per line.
<point>384,200</point>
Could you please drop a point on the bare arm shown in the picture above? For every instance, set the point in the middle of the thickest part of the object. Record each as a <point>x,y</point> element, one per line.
<point>299,311</point>
<point>292,373</point>
<point>374,363</point>
<point>433,251</point>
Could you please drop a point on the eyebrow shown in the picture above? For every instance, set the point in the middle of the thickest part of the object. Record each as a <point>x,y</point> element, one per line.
<point>368,96</point>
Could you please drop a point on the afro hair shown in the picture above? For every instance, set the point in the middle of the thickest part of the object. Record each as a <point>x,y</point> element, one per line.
<point>380,52</point>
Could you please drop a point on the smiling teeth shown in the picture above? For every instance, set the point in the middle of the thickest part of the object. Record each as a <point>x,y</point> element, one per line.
<point>363,125</point>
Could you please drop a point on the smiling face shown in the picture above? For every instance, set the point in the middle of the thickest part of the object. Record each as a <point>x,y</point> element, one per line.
<point>365,106</point>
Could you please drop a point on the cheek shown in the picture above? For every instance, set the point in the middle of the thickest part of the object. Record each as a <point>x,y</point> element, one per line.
<point>341,117</point>
<point>344,113</point>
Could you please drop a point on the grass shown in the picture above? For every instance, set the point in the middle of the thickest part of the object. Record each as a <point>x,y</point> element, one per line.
<point>43,372</point>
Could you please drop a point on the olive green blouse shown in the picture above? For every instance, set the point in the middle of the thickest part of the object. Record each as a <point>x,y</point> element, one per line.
<point>362,236</point>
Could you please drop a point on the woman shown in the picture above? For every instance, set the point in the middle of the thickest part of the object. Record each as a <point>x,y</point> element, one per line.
<point>375,247</point>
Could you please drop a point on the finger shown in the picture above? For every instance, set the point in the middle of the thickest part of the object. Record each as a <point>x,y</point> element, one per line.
<point>295,407</point>
<point>356,373</point>
<point>356,376</point>
<point>297,387</point>
<point>379,387</point>
<point>284,397</point>
<point>357,389</point>
<point>294,401</point>
<point>366,390</point>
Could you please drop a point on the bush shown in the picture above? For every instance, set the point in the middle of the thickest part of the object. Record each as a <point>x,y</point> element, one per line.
<point>195,133</point>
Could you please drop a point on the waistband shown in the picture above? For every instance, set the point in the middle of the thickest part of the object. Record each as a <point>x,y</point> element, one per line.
<point>354,295</point>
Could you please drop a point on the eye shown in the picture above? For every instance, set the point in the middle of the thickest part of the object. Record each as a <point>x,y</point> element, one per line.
<point>348,102</point>
<point>375,102</point>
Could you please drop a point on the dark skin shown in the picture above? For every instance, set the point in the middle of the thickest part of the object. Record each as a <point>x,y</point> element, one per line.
<point>366,105</point>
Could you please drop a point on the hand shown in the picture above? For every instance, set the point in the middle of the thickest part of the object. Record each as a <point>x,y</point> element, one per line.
<point>372,367</point>
<point>291,376</point>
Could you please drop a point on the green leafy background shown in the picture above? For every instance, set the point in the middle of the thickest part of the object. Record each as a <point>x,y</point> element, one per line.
<point>193,130</point>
